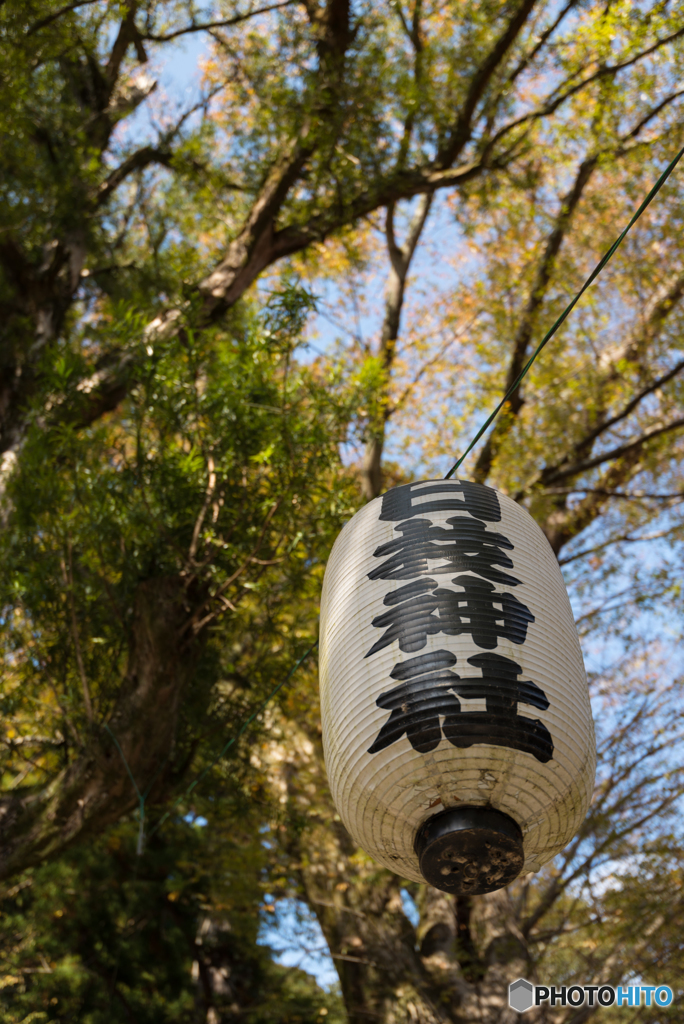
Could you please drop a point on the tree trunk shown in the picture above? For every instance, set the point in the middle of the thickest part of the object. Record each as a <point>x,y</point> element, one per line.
<point>371,470</point>
<point>454,967</point>
<point>96,789</point>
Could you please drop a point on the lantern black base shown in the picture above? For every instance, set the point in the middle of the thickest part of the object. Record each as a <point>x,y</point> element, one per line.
<point>469,850</point>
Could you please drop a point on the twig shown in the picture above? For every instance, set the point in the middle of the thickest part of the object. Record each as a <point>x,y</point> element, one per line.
<point>209,493</point>
<point>58,14</point>
<point>353,959</point>
<point>430,362</point>
<point>197,625</point>
<point>209,25</point>
<point>77,643</point>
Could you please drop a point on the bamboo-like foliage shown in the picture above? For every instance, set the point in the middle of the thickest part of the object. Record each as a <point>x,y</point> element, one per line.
<point>435,180</point>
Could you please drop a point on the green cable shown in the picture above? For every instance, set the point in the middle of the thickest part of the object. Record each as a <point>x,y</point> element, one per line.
<point>523,373</point>
<point>547,337</point>
<point>235,738</point>
<point>141,797</point>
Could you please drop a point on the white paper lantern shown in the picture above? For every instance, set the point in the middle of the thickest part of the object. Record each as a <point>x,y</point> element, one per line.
<point>457,730</point>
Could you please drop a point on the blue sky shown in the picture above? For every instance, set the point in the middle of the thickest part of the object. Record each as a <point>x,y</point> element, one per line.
<point>292,931</point>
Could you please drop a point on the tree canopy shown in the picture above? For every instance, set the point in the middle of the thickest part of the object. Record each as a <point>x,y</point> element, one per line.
<point>223,327</point>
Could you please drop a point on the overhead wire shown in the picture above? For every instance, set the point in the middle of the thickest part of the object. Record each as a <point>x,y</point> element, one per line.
<point>485,426</point>
<point>235,738</point>
<point>142,797</point>
<point>568,309</point>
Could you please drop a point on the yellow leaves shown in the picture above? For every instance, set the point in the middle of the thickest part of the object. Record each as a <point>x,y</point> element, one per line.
<point>350,251</point>
<point>263,457</point>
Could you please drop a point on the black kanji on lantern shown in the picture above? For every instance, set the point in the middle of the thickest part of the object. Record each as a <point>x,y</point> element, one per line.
<point>423,608</point>
<point>426,704</point>
<point>418,703</point>
<point>441,496</point>
<point>466,546</point>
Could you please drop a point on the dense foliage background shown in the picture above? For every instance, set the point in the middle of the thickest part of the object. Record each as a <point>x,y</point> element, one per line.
<point>224,325</point>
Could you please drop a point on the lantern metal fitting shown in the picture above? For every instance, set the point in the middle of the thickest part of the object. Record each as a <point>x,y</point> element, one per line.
<point>469,850</point>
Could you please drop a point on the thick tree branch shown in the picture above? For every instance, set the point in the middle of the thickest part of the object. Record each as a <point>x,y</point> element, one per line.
<point>255,247</point>
<point>330,21</point>
<point>127,34</point>
<point>623,538</point>
<point>207,26</point>
<point>400,258</point>
<point>564,524</point>
<point>137,161</point>
<point>36,27</point>
<point>95,790</point>
<point>673,496</point>
<point>523,335</point>
<point>461,131</point>
<point>551,105</point>
<point>414,33</point>
<point>659,307</point>
<point>658,109</point>
<point>541,41</point>
<point>161,154</point>
<point>100,393</point>
<point>259,244</point>
<point>588,440</point>
<point>552,474</point>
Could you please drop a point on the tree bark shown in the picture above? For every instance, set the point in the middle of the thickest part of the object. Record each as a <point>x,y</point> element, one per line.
<point>524,332</point>
<point>96,789</point>
<point>453,968</point>
<point>400,257</point>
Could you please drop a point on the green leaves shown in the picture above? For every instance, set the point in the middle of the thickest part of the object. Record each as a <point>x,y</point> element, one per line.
<point>100,934</point>
<point>216,470</point>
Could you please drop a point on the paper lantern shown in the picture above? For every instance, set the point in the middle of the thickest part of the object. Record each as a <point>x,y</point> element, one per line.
<point>457,730</point>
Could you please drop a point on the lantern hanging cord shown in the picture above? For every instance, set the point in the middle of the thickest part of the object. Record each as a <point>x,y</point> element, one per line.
<point>234,739</point>
<point>568,309</point>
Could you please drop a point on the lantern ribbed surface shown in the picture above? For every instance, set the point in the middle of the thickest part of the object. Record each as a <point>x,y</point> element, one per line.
<point>451,673</point>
